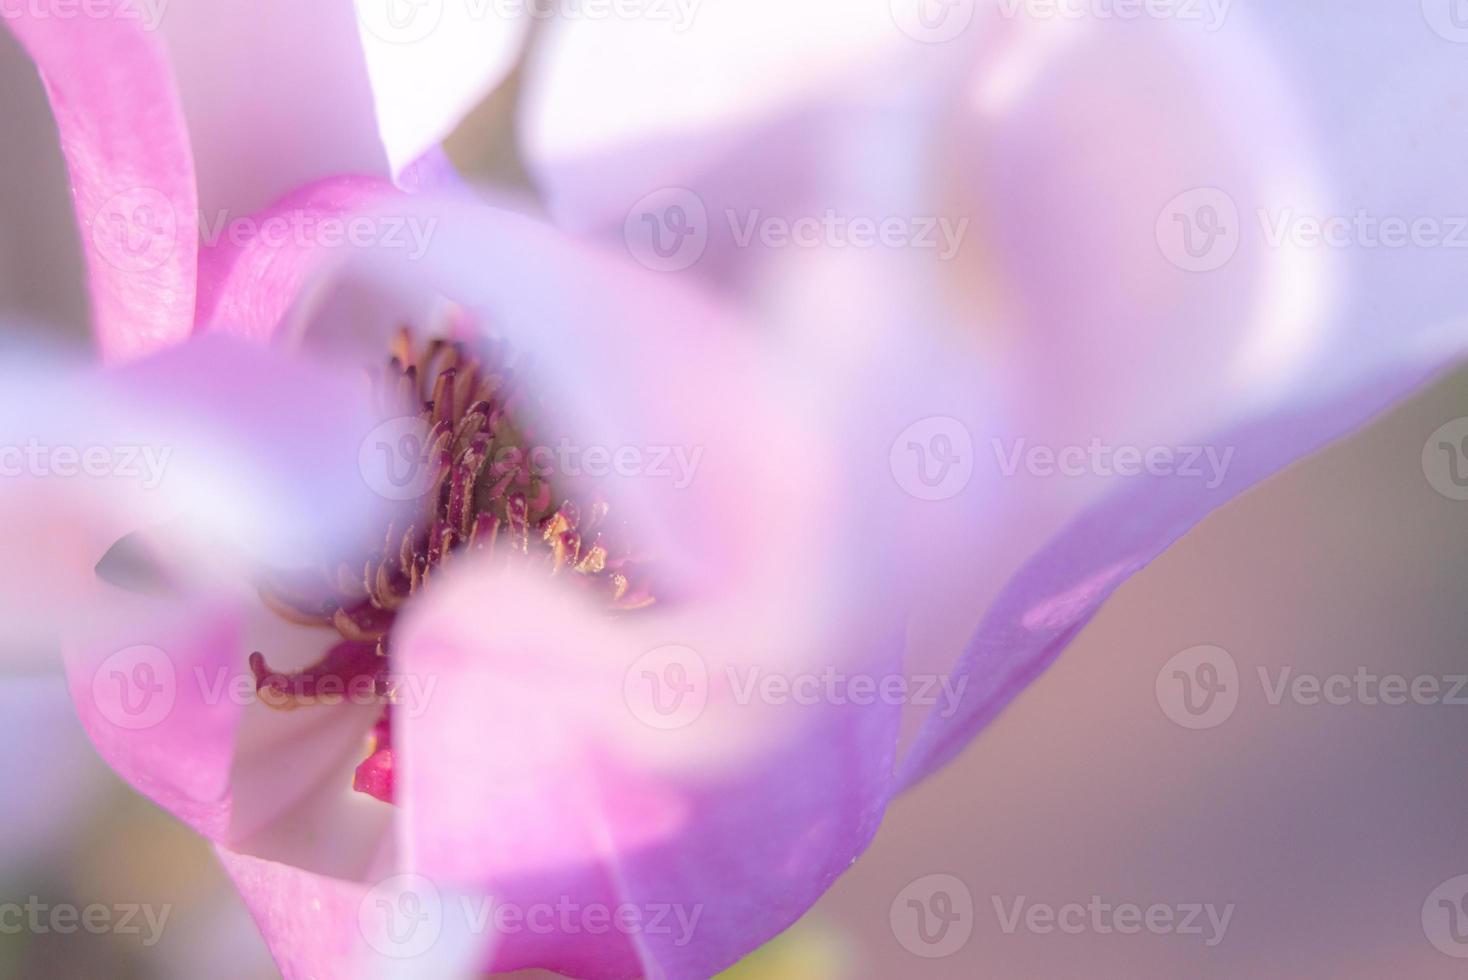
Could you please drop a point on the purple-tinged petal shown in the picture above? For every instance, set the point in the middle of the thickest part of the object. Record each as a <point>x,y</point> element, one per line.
<point>1063,586</point>
<point>276,94</point>
<point>724,815</point>
<point>123,134</point>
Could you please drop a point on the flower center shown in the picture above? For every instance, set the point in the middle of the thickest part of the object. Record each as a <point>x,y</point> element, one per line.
<point>491,488</point>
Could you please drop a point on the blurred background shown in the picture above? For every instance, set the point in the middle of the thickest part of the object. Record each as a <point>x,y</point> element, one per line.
<point>1323,831</point>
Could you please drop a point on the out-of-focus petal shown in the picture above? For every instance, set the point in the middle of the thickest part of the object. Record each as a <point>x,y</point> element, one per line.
<point>276,95</point>
<point>1063,586</point>
<point>762,564</point>
<point>431,62</point>
<point>127,149</point>
<point>673,79</point>
<point>644,775</point>
<point>331,928</point>
<point>239,453</point>
<point>254,273</point>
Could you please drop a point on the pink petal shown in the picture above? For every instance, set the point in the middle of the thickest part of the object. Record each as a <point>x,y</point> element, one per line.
<point>148,496</point>
<point>248,281</point>
<point>730,823</point>
<point>122,131</point>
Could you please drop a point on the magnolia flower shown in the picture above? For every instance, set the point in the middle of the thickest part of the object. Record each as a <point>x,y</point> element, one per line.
<point>588,631</point>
